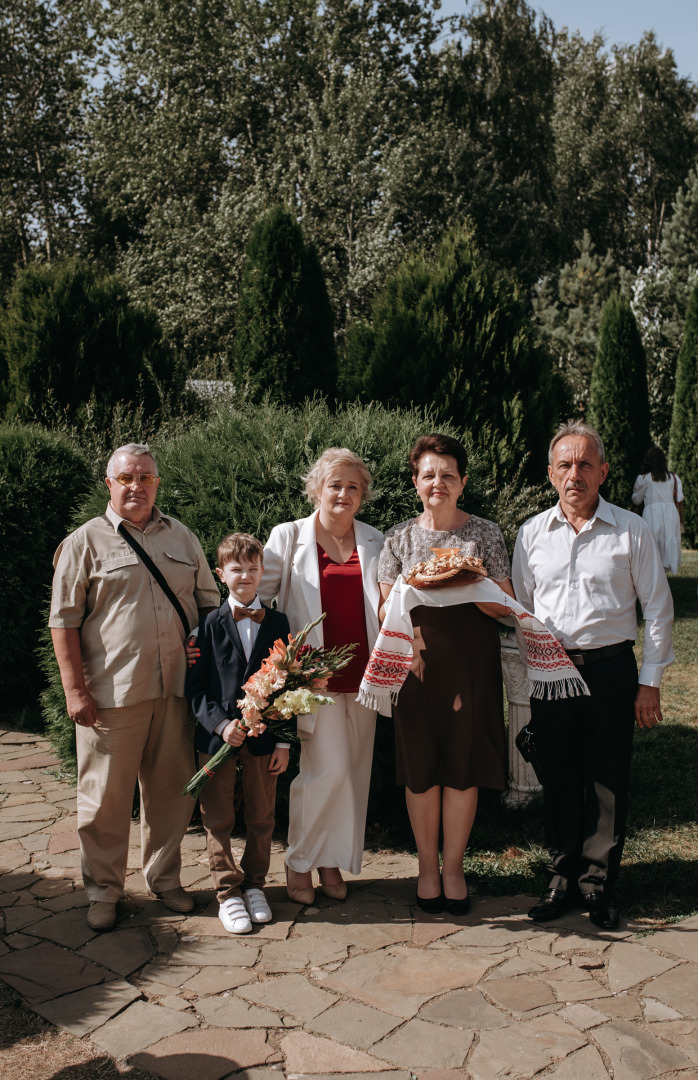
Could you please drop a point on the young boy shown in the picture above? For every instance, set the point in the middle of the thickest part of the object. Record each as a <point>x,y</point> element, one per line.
<point>233,642</point>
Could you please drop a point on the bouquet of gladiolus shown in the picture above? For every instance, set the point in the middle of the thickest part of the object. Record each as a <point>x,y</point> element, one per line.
<point>289,684</point>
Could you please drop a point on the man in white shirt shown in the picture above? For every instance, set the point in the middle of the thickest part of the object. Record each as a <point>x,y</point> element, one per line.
<point>580,567</point>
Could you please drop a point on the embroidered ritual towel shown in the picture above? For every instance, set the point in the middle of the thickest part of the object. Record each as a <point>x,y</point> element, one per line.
<point>551,673</point>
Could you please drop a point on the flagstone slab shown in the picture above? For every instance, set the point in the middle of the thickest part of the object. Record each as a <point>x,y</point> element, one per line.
<point>680,940</point>
<point>10,777</point>
<point>572,984</point>
<point>309,1054</point>
<point>18,881</point>
<point>47,887</point>
<point>20,916</point>
<point>47,971</point>
<point>21,941</point>
<point>654,1011</point>
<point>420,1044</point>
<point>209,1055</point>
<point>292,994</point>
<point>401,979</point>
<point>520,994</point>
<point>154,913</point>
<point>497,934</point>
<point>355,1024</point>
<point>583,1016</point>
<point>429,928</point>
<point>233,1012</point>
<point>164,973</point>
<point>68,928</point>
<point>75,898</point>
<point>636,1054</point>
<point>225,954</point>
<point>677,988</point>
<point>622,1006</point>
<point>369,926</point>
<point>172,1001</point>
<point>29,762</point>
<point>217,980</point>
<point>20,799</point>
<point>15,854</point>
<point>122,951</point>
<point>520,1051</point>
<point>630,964</point>
<point>299,954</point>
<point>517,965</point>
<point>10,830</point>
<point>63,841</point>
<point>683,1034</point>
<point>85,1010</point>
<point>467,1009</point>
<point>585,1064</point>
<point>139,1026</point>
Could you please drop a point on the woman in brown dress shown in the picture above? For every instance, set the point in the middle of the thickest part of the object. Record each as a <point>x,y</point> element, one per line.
<point>449,724</point>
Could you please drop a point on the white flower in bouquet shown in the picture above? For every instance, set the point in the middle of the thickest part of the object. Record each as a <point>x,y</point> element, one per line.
<point>299,702</point>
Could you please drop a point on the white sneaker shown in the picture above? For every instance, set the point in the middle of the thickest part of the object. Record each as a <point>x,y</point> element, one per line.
<point>257,906</point>
<point>233,915</point>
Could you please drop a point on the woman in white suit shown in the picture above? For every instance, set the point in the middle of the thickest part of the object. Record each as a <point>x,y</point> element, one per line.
<point>329,562</point>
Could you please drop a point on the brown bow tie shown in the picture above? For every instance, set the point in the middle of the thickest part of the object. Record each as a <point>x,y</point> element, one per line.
<point>256,614</point>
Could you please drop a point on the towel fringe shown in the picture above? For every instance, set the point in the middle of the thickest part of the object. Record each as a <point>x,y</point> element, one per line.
<point>558,689</point>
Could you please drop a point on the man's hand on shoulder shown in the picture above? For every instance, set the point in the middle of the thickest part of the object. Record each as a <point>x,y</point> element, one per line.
<point>647,708</point>
<point>82,708</point>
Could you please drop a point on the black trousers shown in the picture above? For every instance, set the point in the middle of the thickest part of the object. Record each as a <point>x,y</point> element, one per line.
<point>585,746</point>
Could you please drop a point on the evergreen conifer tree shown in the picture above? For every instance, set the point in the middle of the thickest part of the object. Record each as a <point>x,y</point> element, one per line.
<point>284,341</point>
<point>618,400</point>
<point>71,336</point>
<point>683,447</point>
<point>455,334</point>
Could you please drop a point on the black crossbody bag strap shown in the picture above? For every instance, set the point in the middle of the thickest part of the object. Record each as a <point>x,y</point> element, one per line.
<point>150,565</point>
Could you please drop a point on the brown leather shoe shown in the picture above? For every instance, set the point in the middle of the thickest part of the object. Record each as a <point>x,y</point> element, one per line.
<point>101,915</point>
<point>336,891</point>
<point>299,887</point>
<point>177,900</point>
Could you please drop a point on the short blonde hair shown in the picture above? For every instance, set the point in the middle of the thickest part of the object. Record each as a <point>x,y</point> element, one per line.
<point>336,457</point>
<point>238,546</point>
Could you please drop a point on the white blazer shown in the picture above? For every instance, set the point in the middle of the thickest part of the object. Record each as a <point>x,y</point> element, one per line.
<point>292,574</point>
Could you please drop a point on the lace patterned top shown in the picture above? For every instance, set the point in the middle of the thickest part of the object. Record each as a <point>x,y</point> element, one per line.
<point>408,543</point>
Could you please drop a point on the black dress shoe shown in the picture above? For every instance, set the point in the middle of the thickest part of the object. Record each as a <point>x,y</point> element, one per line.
<point>432,905</point>
<point>602,912</point>
<point>550,906</point>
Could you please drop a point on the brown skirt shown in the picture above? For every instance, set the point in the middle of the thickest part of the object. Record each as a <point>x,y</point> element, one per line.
<point>449,717</point>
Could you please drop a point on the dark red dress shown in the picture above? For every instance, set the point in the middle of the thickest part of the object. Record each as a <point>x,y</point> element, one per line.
<point>342,598</point>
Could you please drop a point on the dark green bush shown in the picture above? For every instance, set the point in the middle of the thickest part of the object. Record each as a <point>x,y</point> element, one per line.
<point>683,448</point>
<point>242,470</point>
<point>43,476</point>
<point>73,340</point>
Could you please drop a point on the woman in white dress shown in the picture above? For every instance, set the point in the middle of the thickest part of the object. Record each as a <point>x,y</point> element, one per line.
<point>662,494</point>
<point>329,562</point>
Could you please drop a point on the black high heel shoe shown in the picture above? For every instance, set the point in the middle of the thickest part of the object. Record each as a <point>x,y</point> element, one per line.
<point>433,905</point>
<point>457,907</point>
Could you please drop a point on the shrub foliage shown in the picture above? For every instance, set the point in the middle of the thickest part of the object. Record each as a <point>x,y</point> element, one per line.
<point>42,477</point>
<point>683,447</point>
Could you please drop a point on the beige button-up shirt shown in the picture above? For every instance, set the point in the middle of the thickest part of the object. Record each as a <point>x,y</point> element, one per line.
<point>130,634</point>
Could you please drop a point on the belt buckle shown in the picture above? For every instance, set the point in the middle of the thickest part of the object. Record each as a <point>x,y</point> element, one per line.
<point>576,658</point>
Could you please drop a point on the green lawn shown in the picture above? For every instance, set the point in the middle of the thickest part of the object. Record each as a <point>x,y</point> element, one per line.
<point>659,879</point>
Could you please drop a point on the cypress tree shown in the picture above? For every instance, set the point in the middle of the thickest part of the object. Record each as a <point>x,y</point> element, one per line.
<point>453,333</point>
<point>618,399</point>
<point>284,340</point>
<point>683,445</point>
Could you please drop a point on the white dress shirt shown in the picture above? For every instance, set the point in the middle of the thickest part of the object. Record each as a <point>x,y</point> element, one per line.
<point>584,585</point>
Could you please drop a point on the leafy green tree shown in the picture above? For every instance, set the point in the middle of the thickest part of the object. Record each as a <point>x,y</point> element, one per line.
<point>46,52</point>
<point>71,337</point>
<point>454,332</point>
<point>284,343</point>
<point>683,447</point>
<point>569,313</point>
<point>618,403</point>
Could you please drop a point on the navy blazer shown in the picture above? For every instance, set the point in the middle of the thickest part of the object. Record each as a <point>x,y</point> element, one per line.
<point>214,683</point>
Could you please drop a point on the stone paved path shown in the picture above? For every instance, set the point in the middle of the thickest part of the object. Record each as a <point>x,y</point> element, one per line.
<point>370,986</point>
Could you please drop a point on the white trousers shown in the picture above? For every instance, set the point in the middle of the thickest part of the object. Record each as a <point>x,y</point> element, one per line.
<point>328,798</point>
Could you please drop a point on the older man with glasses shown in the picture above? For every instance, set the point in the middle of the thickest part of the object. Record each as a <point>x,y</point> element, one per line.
<point>127,587</point>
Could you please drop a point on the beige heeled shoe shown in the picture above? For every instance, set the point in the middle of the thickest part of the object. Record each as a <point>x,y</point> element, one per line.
<point>299,893</point>
<point>338,891</point>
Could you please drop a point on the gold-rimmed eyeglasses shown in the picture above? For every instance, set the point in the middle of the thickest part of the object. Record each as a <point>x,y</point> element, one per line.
<point>128,478</point>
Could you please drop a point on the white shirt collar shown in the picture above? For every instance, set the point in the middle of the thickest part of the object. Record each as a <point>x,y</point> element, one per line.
<point>604,512</point>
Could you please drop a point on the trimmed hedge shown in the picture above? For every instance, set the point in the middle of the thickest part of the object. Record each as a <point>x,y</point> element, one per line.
<point>243,471</point>
<point>43,475</point>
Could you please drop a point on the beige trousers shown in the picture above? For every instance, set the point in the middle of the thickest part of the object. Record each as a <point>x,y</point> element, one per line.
<point>152,742</point>
<point>328,798</point>
<point>217,801</point>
